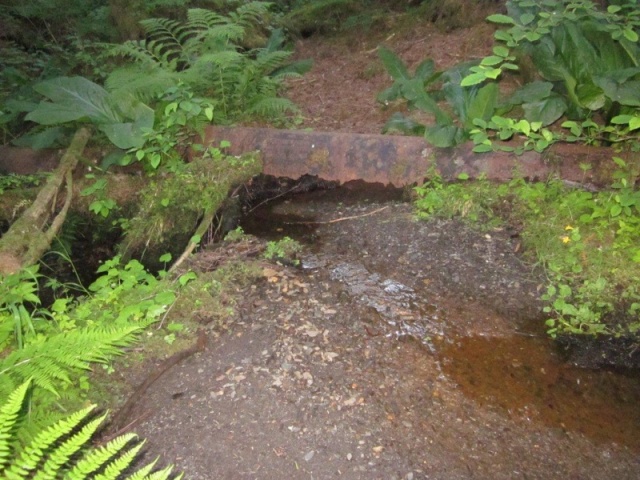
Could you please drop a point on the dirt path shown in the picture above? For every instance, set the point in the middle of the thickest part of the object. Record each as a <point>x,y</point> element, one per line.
<point>336,370</point>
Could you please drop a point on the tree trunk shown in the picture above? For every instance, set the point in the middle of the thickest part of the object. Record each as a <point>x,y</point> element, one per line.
<point>31,235</point>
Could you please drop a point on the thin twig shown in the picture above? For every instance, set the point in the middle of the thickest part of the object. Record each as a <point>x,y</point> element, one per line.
<point>341,219</point>
<point>125,429</point>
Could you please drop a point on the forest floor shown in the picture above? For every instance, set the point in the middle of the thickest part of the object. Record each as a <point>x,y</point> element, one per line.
<point>401,349</point>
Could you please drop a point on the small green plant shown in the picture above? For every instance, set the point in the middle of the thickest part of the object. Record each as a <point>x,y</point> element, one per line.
<point>63,450</point>
<point>235,235</point>
<point>284,250</point>
<point>181,116</point>
<point>13,181</point>
<point>419,91</point>
<point>102,205</point>
<point>17,292</point>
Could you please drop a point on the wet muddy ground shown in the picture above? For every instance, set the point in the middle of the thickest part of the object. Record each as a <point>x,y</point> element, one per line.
<point>401,349</point>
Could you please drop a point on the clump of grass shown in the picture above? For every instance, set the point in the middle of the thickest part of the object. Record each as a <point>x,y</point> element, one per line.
<point>587,242</point>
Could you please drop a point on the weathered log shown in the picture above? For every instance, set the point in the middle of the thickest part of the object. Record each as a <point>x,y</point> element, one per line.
<point>30,236</point>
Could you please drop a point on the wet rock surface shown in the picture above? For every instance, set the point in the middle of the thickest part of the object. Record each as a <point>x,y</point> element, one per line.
<point>361,364</point>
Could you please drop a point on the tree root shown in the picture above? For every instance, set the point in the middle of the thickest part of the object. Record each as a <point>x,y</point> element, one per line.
<point>120,422</point>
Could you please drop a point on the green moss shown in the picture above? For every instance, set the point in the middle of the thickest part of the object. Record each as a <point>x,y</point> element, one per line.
<point>171,205</point>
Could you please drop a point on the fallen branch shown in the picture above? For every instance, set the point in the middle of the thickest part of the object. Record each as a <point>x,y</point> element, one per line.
<point>206,221</point>
<point>341,219</point>
<point>29,237</point>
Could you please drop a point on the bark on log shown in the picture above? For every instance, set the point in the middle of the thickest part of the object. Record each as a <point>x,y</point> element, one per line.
<point>31,235</point>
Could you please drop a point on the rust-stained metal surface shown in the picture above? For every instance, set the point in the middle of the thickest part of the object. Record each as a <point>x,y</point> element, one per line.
<point>386,159</point>
<point>399,160</point>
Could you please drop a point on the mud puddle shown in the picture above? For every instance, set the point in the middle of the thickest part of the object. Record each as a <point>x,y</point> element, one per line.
<point>495,353</point>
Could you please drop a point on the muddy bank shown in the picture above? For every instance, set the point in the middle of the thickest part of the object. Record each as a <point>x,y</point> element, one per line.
<point>400,349</point>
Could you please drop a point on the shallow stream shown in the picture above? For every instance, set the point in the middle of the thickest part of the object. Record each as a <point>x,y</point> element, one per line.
<point>465,296</point>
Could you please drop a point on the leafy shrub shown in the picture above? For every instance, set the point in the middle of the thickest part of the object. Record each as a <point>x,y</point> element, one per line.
<point>421,91</point>
<point>587,64</point>
<point>584,67</point>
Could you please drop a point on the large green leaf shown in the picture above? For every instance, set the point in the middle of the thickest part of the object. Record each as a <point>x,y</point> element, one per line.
<point>426,71</point>
<point>547,110</point>
<point>47,138</point>
<point>402,124</point>
<point>120,116</point>
<point>456,95</point>
<point>415,94</point>
<point>390,94</point>
<point>590,96</point>
<point>482,104</point>
<point>444,136</point>
<point>73,98</point>
<point>531,92</point>
<point>393,64</point>
<point>621,86</point>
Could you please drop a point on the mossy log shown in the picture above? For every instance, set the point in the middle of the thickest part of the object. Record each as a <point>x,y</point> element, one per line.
<point>31,234</point>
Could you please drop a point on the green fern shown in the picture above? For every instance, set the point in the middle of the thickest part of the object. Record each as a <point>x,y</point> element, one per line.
<point>205,53</point>
<point>145,84</point>
<point>272,107</point>
<point>8,416</point>
<point>62,450</point>
<point>50,362</point>
<point>251,13</point>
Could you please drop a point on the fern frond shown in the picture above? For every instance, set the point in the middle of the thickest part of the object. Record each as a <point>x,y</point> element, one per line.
<point>227,59</point>
<point>60,456</point>
<point>52,452</point>
<point>170,33</point>
<point>250,13</point>
<point>163,474</point>
<point>148,53</point>
<point>8,416</point>
<point>144,472</point>
<point>38,449</point>
<point>213,38</point>
<point>135,50</point>
<point>267,62</point>
<point>120,464</point>
<point>292,70</point>
<point>200,18</point>
<point>48,363</point>
<point>143,84</point>
<point>272,106</point>
<point>96,459</point>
